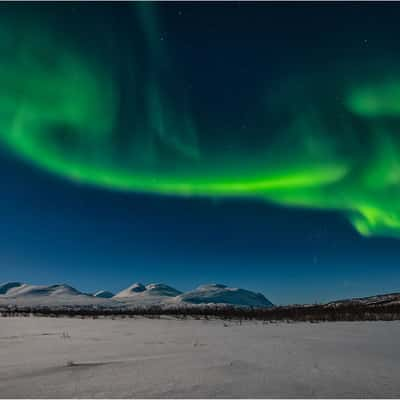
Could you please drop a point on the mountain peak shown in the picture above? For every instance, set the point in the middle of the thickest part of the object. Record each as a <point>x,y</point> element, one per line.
<point>16,289</point>
<point>5,287</point>
<point>211,286</point>
<point>162,290</point>
<point>152,289</point>
<point>221,294</point>
<point>137,287</point>
<point>131,290</point>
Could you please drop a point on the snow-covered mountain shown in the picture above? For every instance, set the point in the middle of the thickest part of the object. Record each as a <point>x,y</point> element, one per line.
<point>5,287</point>
<point>137,290</point>
<point>45,295</point>
<point>160,289</point>
<point>152,294</point>
<point>139,295</point>
<point>131,290</point>
<point>16,289</point>
<point>386,299</point>
<point>136,295</point>
<point>221,294</point>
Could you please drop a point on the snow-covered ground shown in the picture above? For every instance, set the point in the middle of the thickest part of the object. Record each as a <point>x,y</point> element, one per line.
<point>62,357</point>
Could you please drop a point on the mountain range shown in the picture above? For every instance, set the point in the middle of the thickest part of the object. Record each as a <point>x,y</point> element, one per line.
<point>135,295</point>
<point>159,294</point>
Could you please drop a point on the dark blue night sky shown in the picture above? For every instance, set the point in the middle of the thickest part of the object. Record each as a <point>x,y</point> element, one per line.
<point>57,232</point>
<point>53,230</point>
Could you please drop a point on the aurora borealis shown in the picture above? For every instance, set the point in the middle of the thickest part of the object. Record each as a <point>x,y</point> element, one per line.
<point>250,144</point>
<point>321,139</point>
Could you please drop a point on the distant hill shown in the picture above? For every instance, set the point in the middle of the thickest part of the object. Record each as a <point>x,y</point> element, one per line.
<point>384,299</point>
<point>221,294</point>
<point>16,289</point>
<point>137,290</point>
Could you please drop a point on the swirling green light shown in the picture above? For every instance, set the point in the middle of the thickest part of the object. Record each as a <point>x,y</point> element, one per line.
<point>60,110</point>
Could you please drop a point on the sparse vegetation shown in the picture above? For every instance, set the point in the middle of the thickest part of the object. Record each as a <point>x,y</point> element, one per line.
<point>313,313</point>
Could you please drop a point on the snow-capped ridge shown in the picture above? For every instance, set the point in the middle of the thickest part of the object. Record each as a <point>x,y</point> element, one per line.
<point>161,289</point>
<point>42,290</point>
<point>104,294</point>
<point>209,286</point>
<point>131,290</point>
<point>379,299</point>
<point>153,289</point>
<point>5,287</point>
<point>221,294</point>
<point>137,287</point>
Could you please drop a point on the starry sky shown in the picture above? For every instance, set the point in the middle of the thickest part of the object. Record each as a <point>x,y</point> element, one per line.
<point>251,144</point>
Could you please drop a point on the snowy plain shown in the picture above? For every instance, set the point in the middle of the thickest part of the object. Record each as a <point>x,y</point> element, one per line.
<point>140,357</point>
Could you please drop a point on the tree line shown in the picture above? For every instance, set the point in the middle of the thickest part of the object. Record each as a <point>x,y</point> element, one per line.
<point>312,313</point>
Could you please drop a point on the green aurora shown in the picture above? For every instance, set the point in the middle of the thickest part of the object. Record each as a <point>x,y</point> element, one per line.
<point>331,141</point>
